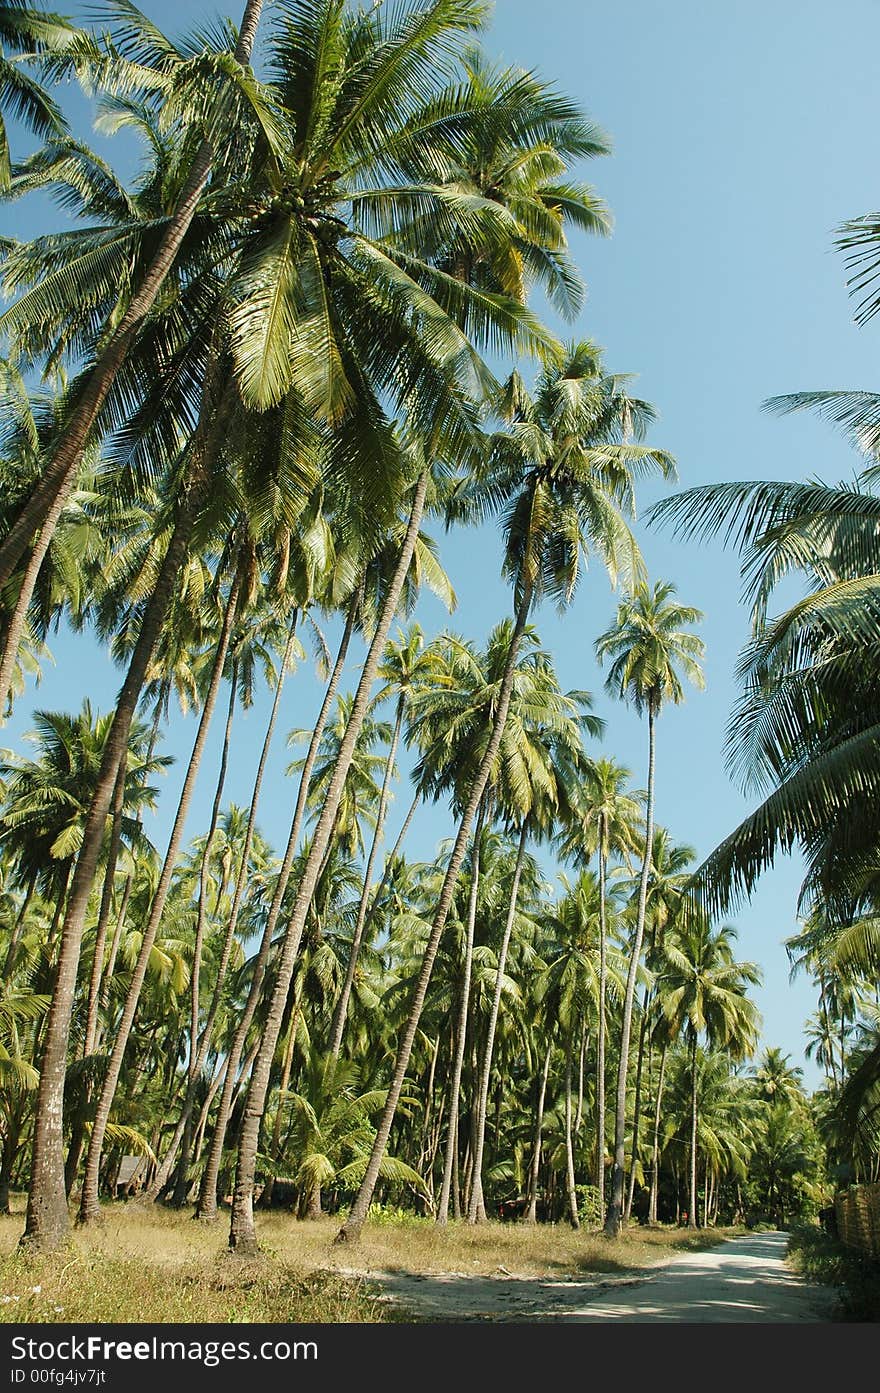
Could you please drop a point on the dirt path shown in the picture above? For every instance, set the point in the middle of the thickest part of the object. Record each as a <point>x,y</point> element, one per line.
<point>744,1279</point>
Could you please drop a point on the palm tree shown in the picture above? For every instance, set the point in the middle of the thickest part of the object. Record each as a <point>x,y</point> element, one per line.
<point>705,995</point>
<point>406,667</point>
<point>646,646</point>
<point>27,30</point>
<point>601,817</point>
<point>42,510</point>
<point>565,480</point>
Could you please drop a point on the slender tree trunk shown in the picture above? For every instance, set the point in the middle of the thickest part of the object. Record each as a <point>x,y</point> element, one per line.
<point>107,976</point>
<point>569,1148</point>
<point>204,874</point>
<point>104,911</point>
<point>18,927</point>
<point>615,1208</point>
<point>207,1205</point>
<point>165,1166</point>
<point>43,509</point>
<point>692,1208</point>
<point>582,1051</point>
<point>198,1046</point>
<point>602,1024</point>
<point>47,1218</point>
<point>286,1068</point>
<point>461,1032</point>
<point>10,1151</point>
<point>344,996</point>
<point>655,1153</point>
<point>351,1229</point>
<point>391,858</point>
<point>89,1209</point>
<point>637,1105</point>
<point>486,1069</point>
<point>242,1232</point>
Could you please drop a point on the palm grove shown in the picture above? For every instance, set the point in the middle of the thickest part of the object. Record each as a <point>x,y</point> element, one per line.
<point>244,393</point>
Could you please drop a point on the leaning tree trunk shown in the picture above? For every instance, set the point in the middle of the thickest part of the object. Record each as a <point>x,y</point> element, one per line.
<point>104,911</point>
<point>615,1208</point>
<point>242,1236</point>
<point>194,1067</point>
<point>18,926</point>
<point>569,1147</point>
<point>43,509</point>
<point>486,1070</point>
<point>531,1216</point>
<point>655,1152</point>
<point>351,1229</point>
<point>692,1209</point>
<point>47,1218</point>
<point>163,1170</point>
<point>89,1209</point>
<point>207,1204</point>
<point>78,1131</point>
<point>442,1215</point>
<point>344,996</point>
<point>391,858</point>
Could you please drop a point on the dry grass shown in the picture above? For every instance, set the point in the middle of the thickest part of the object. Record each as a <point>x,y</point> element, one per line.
<point>158,1265</point>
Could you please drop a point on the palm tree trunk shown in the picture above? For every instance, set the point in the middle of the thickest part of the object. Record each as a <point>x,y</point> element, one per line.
<point>351,1229</point>
<point>582,1051</point>
<point>89,1209</point>
<point>164,1168</point>
<point>43,509</point>
<point>104,911</point>
<point>692,1208</point>
<point>286,1069</point>
<point>637,1105</point>
<point>531,1215</point>
<point>461,1032</point>
<point>18,926</point>
<point>207,1205</point>
<point>486,1070</point>
<point>345,994</point>
<point>198,1047</point>
<point>392,857</point>
<point>602,1024</point>
<point>655,1152</point>
<point>242,1232</point>
<point>615,1208</point>
<point>569,1148</point>
<point>204,873</point>
<point>47,1218</point>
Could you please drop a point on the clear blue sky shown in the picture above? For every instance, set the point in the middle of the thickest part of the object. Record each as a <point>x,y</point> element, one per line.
<point>743,134</point>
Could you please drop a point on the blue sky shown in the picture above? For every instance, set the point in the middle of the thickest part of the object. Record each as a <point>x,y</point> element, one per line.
<point>742,135</point>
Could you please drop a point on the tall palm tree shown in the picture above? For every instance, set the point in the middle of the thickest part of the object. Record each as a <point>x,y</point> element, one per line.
<point>647,646</point>
<point>706,995</point>
<point>144,43</point>
<point>406,667</point>
<point>601,818</point>
<point>563,475</point>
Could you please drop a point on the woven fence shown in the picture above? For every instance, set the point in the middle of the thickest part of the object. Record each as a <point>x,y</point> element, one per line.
<point>857,1211</point>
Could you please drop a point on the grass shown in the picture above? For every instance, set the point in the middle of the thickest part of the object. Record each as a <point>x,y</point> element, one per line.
<point>820,1258</point>
<point>157,1265</point>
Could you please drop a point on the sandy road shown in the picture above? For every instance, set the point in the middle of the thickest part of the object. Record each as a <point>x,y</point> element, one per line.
<point>744,1280</point>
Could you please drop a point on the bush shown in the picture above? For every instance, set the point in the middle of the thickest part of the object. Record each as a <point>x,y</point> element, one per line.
<point>821,1258</point>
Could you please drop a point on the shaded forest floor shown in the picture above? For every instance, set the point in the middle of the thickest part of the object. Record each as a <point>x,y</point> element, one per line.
<point>158,1265</point>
